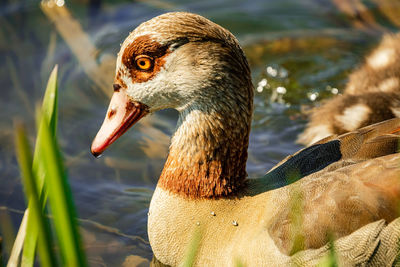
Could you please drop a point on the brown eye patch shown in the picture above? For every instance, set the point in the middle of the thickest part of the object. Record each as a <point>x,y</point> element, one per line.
<point>144,58</point>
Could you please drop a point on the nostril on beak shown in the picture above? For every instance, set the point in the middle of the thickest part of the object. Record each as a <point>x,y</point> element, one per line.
<point>116,87</point>
<point>112,112</point>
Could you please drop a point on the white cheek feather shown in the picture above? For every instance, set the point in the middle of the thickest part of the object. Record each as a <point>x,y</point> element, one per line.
<point>353,116</point>
<point>381,58</point>
<point>160,92</point>
<point>153,93</point>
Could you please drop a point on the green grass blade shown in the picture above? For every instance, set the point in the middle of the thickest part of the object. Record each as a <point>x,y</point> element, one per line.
<point>7,233</point>
<point>25,162</point>
<point>60,198</point>
<point>239,263</point>
<point>29,251</point>
<point>50,101</point>
<point>192,249</point>
<point>330,260</point>
<point>13,260</point>
<point>49,110</point>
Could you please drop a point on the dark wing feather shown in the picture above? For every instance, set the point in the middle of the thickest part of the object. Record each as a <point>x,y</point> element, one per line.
<point>366,143</point>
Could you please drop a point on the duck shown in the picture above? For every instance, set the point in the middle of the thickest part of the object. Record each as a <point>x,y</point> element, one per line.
<point>371,95</point>
<point>340,186</point>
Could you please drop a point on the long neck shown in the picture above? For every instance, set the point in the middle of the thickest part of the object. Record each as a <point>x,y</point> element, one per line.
<point>208,152</point>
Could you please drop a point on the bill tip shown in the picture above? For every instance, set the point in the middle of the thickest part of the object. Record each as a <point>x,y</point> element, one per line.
<point>96,154</point>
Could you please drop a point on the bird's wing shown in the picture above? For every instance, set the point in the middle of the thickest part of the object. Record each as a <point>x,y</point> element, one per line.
<point>366,143</point>
<point>341,184</point>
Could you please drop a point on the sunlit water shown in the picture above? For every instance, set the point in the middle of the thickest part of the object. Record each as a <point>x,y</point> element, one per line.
<point>300,53</point>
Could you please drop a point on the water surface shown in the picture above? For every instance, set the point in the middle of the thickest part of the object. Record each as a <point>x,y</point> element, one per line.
<point>300,53</point>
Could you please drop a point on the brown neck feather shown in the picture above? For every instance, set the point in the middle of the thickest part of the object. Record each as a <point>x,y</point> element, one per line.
<point>208,153</point>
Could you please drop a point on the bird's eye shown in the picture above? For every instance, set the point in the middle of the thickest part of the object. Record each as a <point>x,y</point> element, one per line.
<point>144,62</point>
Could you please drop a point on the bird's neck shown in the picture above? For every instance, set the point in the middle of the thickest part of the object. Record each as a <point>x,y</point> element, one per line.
<point>208,152</point>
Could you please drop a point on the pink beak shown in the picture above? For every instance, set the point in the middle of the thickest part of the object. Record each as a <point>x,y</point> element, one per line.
<point>122,113</point>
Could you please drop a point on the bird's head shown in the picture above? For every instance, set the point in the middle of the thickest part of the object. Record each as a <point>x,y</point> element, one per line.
<point>176,60</point>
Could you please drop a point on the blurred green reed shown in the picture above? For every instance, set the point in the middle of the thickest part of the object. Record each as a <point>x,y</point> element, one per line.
<point>330,260</point>
<point>192,249</point>
<point>43,176</point>
<point>239,263</point>
<point>296,216</point>
<point>36,215</point>
<point>296,213</point>
<point>50,112</point>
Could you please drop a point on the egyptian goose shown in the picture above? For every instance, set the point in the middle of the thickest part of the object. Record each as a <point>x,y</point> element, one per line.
<point>372,95</point>
<point>184,61</point>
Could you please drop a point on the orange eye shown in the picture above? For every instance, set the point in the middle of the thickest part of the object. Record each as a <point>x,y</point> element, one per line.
<point>143,62</point>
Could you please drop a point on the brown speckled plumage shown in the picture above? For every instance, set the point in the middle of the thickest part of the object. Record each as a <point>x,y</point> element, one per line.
<point>375,85</point>
<point>363,186</point>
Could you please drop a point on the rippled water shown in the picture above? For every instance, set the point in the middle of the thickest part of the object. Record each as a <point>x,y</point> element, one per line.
<point>300,53</point>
